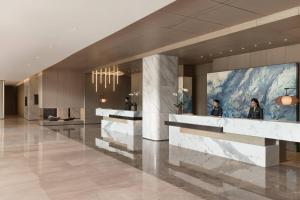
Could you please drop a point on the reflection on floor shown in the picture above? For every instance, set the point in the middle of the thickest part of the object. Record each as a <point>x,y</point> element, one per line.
<point>64,163</point>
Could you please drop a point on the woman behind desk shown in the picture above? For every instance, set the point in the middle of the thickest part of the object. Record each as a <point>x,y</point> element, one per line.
<point>255,112</point>
<point>217,109</point>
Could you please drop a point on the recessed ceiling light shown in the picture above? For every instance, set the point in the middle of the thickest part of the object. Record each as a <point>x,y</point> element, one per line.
<point>285,40</point>
<point>269,43</point>
<point>243,48</point>
<point>230,50</point>
<point>201,57</point>
<point>255,45</point>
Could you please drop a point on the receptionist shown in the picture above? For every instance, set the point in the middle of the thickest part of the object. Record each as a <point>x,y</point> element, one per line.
<point>255,112</point>
<point>216,109</point>
<point>128,103</point>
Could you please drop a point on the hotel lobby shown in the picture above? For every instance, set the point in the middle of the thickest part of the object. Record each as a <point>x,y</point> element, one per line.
<point>162,99</point>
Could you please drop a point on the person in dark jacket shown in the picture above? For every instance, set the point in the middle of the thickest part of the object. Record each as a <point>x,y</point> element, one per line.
<point>255,112</point>
<point>217,109</point>
<point>128,103</point>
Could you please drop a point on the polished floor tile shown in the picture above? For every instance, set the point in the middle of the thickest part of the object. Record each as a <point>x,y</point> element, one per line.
<point>63,163</point>
<point>41,163</point>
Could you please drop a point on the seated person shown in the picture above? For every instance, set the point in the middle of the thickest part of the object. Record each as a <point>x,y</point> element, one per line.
<point>217,109</point>
<point>255,112</point>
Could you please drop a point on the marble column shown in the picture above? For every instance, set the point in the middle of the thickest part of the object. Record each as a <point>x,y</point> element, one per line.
<point>2,99</point>
<point>155,154</point>
<point>160,82</point>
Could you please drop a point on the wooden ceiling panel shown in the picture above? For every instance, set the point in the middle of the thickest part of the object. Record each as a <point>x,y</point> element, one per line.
<point>265,7</point>
<point>293,32</point>
<point>190,8</point>
<point>292,23</point>
<point>238,43</point>
<point>227,16</point>
<point>163,19</point>
<point>198,27</point>
<point>177,23</point>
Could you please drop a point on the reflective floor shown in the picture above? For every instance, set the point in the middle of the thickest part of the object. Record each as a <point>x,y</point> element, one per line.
<point>64,163</point>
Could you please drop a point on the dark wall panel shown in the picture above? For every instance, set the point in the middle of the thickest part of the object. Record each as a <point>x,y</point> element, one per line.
<point>10,103</point>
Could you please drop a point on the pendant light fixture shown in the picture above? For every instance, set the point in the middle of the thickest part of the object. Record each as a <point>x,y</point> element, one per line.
<point>111,74</point>
<point>287,100</point>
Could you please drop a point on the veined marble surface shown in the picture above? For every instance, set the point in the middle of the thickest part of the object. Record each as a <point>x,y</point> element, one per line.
<point>287,131</point>
<point>106,145</point>
<point>126,127</point>
<point>198,120</point>
<point>160,81</point>
<point>263,156</point>
<point>123,113</point>
<point>219,167</point>
<point>278,130</point>
<point>132,142</point>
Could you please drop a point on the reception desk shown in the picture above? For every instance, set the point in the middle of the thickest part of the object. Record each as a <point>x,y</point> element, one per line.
<point>120,121</point>
<point>249,141</point>
<point>126,145</point>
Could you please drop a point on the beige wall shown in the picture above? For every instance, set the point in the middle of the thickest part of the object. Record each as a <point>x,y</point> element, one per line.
<point>201,86</point>
<point>279,55</point>
<point>32,87</point>
<point>57,88</point>
<point>62,88</point>
<point>287,54</point>
<point>21,101</point>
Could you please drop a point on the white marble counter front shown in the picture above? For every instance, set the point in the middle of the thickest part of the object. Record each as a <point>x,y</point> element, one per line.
<point>250,141</point>
<point>287,131</point>
<point>277,130</point>
<point>198,120</point>
<point>122,113</point>
<point>123,122</point>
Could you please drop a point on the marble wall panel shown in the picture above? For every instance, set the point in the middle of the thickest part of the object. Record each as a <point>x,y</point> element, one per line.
<point>160,81</point>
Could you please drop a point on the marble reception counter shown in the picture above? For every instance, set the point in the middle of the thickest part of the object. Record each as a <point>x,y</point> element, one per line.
<point>126,145</point>
<point>120,121</point>
<point>250,141</point>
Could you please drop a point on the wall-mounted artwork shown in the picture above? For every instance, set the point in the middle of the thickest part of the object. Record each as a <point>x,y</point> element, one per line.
<point>236,88</point>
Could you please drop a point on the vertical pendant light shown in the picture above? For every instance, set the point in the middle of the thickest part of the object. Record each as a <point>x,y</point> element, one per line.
<point>93,77</point>
<point>105,77</point>
<point>96,83</point>
<point>101,76</point>
<point>117,75</point>
<point>114,78</point>
<point>109,75</point>
<point>112,72</point>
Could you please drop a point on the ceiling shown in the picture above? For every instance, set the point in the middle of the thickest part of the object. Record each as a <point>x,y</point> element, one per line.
<point>281,33</point>
<point>179,21</point>
<point>36,34</point>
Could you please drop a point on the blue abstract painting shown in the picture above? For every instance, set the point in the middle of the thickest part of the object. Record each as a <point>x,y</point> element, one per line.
<point>236,88</point>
